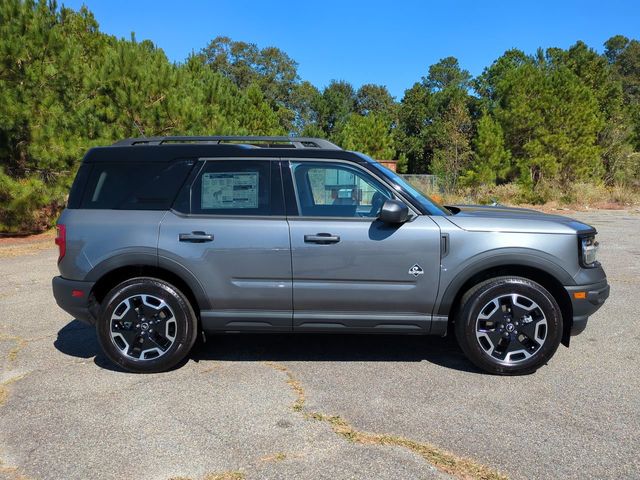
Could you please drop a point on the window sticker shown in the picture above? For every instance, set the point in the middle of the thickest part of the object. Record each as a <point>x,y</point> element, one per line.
<point>229,190</point>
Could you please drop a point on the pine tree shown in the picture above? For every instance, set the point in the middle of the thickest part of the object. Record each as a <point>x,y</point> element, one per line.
<point>367,134</point>
<point>490,158</point>
<point>452,152</point>
<point>551,121</point>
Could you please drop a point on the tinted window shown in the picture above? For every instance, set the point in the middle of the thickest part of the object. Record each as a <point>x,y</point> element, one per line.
<point>337,190</point>
<point>75,195</point>
<point>430,205</point>
<point>134,186</point>
<point>236,187</point>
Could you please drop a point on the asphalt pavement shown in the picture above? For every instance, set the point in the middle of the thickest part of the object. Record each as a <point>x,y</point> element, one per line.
<point>321,406</point>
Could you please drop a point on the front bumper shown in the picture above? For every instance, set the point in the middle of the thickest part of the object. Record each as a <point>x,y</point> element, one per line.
<point>66,293</point>
<point>594,296</point>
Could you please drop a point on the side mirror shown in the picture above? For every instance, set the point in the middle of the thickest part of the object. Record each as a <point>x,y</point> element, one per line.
<point>393,211</point>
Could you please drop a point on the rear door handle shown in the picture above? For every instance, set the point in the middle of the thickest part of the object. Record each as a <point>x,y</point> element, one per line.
<point>322,238</point>
<point>195,237</point>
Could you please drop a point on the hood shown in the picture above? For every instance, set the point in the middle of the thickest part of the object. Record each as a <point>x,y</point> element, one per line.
<point>485,218</point>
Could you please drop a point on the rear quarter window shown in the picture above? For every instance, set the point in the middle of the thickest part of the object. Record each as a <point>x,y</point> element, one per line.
<point>77,188</point>
<point>134,186</point>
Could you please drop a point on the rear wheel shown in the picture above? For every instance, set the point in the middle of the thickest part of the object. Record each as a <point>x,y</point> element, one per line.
<point>509,325</point>
<point>146,325</point>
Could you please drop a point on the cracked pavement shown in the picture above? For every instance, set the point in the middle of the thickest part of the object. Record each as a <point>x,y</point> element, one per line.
<point>66,412</point>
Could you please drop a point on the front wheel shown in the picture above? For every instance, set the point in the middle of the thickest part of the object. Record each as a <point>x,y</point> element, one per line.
<point>509,325</point>
<point>146,325</point>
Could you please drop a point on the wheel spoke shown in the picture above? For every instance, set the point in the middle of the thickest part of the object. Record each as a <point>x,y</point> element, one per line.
<point>135,348</point>
<point>529,328</point>
<point>162,342</point>
<point>138,306</point>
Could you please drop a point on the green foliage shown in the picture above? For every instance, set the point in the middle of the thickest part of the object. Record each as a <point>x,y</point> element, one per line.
<point>435,125</point>
<point>452,149</point>
<point>375,99</point>
<point>305,100</point>
<point>402,165</point>
<point>624,56</point>
<point>486,84</point>
<point>271,69</point>
<point>415,113</point>
<point>337,103</point>
<point>551,121</point>
<point>21,202</point>
<point>491,159</point>
<point>367,134</point>
<point>66,87</point>
<point>447,74</point>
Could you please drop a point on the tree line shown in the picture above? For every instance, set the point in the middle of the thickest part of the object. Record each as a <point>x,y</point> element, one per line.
<point>542,121</point>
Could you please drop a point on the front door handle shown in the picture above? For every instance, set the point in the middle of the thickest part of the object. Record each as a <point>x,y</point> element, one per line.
<point>322,238</point>
<point>195,237</point>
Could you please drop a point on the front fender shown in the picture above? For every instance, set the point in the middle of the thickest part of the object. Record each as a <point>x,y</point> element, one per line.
<point>454,280</point>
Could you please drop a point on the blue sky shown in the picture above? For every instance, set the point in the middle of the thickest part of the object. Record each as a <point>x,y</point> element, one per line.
<point>389,43</point>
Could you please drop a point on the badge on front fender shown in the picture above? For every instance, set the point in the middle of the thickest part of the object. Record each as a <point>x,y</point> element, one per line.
<point>416,270</point>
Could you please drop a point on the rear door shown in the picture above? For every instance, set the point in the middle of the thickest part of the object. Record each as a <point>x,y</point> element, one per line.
<point>229,230</point>
<point>350,270</point>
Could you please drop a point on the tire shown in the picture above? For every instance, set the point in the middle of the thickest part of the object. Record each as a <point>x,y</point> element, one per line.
<point>508,325</point>
<point>146,325</point>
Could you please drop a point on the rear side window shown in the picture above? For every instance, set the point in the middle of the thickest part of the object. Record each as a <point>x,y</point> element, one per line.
<point>134,186</point>
<point>237,187</point>
<point>75,195</point>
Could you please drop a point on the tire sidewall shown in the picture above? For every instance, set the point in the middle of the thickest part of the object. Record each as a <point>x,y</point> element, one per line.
<point>186,324</point>
<point>466,330</point>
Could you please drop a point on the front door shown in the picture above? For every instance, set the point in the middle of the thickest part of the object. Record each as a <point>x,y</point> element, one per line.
<point>350,270</point>
<point>233,237</point>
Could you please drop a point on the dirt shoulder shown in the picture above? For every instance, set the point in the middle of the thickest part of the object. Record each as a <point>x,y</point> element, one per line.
<point>26,244</point>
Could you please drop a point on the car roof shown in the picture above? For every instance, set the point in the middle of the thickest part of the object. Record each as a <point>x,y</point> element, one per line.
<point>164,149</point>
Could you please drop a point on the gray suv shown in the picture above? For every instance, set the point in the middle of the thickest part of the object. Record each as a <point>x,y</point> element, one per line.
<point>164,238</point>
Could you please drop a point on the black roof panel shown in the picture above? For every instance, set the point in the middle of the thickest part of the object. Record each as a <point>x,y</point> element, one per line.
<point>171,151</point>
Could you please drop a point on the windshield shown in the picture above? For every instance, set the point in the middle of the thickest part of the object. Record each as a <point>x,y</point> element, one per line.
<point>430,205</point>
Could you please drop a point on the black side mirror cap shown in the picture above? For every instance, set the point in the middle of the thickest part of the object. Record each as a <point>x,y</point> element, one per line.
<point>393,211</point>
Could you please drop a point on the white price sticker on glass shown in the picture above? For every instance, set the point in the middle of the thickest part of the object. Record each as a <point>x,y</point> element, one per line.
<point>229,190</point>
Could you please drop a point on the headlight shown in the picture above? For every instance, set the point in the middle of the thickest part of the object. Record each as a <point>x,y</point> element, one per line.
<point>588,251</point>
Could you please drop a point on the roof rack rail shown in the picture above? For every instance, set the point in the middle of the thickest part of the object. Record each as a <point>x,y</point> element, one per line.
<point>271,142</point>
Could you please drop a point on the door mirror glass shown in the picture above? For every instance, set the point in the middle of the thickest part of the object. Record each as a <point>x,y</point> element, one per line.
<point>393,211</point>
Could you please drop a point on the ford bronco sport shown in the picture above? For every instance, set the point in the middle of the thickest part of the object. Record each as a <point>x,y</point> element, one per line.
<point>164,238</point>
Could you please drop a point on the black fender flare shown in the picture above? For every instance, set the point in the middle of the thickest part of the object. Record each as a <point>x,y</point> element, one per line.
<point>151,259</point>
<point>511,257</point>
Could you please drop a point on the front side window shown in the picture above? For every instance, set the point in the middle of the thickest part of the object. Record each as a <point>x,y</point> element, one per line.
<point>327,189</point>
<point>233,187</point>
<point>429,204</point>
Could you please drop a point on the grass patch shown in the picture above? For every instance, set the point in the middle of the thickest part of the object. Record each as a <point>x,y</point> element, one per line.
<point>13,353</point>
<point>295,385</point>
<point>230,475</point>
<point>578,196</point>
<point>4,387</point>
<point>235,475</point>
<point>278,457</point>
<point>446,462</point>
<point>12,473</point>
<point>20,343</point>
